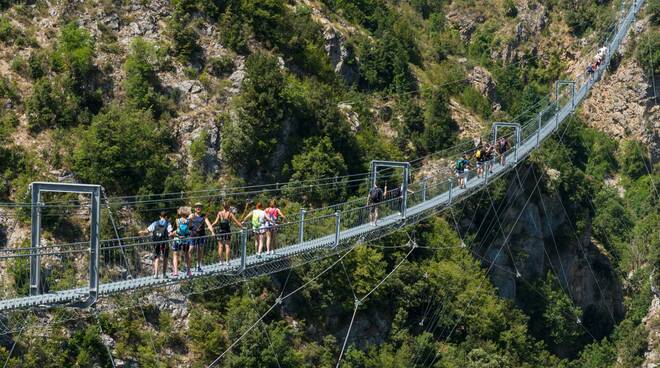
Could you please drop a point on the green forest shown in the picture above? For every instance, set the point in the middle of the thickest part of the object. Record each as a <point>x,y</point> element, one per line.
<point>84,96</point>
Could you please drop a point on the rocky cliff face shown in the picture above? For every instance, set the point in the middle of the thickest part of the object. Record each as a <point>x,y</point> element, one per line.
<point>652,324</point>
<point>544,241</point>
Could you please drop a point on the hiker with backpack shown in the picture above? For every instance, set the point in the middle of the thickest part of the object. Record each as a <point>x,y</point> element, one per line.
<point>480,157</point>
<point>374,197</point>
<point>258,218</point>
<point>502,148</point>
<point>181,241</point>
<point>198,225</point>
<point>461,167</point>
<point>590,71</point>
<point>490,155</point>
<point>224,218</point>
<point>160,231</point>
<point>273,215</point>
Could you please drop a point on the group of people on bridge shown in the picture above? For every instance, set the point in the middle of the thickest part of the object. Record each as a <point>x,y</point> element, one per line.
<point>598,60</point>
<point>188,234</point>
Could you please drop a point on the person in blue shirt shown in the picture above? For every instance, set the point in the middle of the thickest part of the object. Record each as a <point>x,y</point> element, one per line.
<point>160,231</point>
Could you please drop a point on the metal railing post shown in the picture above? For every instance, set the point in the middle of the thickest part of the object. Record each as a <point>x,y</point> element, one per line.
<point>337,227</point>
<point>538,132</point>
<point>35,259</point>
<point>94,246</point>
<point>486,169</point>
<point>557,104</point>
<point>424,190</point>
<point>301,226</point>
<point>515,152</point>
<point>573,97</point>
<point>244,239</point>
<point>404,189</point>
<point>451,185</point>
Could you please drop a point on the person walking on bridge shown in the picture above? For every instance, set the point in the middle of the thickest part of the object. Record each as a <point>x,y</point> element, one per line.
<point>273,214</point>
<point>374,197</point>
<point>198,225</point>
<point>258,219</point>
<point>502,148</point>
<point>181,241</point>
<point>160,231</point>
<point>224,218</point>
<point>462,167</point>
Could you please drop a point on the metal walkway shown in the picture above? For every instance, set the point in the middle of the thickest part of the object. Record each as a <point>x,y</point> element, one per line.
<point>335,231</point>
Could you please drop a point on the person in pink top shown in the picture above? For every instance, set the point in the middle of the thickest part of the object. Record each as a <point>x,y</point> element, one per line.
<point>273,215</point>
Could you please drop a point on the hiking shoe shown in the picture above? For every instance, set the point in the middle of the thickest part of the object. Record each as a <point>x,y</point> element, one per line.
<point>175,274</point>
<point>199,269</point>
<point>189,273</point>
<point>259,255</point>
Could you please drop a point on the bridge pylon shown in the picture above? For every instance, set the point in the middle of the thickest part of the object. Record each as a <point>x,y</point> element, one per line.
<point>375,164</point>
<point>94,191</point>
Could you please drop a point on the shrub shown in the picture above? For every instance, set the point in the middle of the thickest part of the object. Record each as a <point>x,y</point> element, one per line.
<point>141,83</point>
<point>476,102</point>
<point>19,66</point>
<point>384,64</point>
<point>74,53</point>
<point>317,160</point>
<point>13,36</point>
<point>510,9</point>
<point>633,159</point>
<point>52,104</point>
<point>439,128</point>
<point>252,140</point>
<point>234,33</point>
<point>125,151</point>
<point>220,66</point>
<point>648,51</point>
<point>9,90</point>
<point>184,37</point>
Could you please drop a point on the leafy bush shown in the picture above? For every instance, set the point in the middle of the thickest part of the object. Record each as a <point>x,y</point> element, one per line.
<point>125,151</point>
<point>53,104</point>
<point>220,66</point>
<point>439,128</point>
<point>317,160</point>
<point>427,7</point>
<point>648,51</point>
<point>37,64</point>
<point>634,159</point>
<point>9,90</point>
<point>13,36</point>
<point>510,9</point>
<point>384,64</point>
<point>234,33</point>
<point>476,102</point>
<point>184,37</point>
<point>141,82</point>
<point>584,15</point>
<point>251,141</point>
<point>653,9</point>
<point>74,53</point>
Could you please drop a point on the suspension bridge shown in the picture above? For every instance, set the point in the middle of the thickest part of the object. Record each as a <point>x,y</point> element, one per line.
<point>117,265</point>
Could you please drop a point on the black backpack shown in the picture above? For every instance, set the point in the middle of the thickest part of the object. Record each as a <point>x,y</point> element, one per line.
<point>197,228</point>
<point>160,232</point>
<point>375,195</point>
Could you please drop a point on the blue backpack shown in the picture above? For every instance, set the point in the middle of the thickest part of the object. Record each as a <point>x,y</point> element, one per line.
<point>184,228</point>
